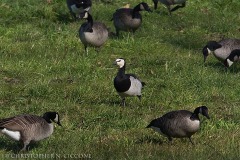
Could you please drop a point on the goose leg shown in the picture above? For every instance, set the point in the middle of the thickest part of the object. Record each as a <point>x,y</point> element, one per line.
<point>155,4</point>
<point>191,140</point>
<point>86,50</point>
<point>139,97</point>
<point>178,6</point>
<point>24,146</point>
<point>117,32</point>
<point>123,102</point>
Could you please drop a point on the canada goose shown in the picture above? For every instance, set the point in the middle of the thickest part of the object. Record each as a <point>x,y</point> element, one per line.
<point>126,84</point>
<point>179,124</point>
<point>222,49</point>
<point>27,128</point>
<point>78,6</point>
<point>92,33</point>
<point>233,57</point>
<point>168,4</point>
<point>128,19</point>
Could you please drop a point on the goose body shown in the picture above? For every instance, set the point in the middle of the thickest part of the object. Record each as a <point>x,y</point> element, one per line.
<point>27,128</point>
<point>169,3</point>
<point>91,33</point>
<point>127,84</point>
<point>233,57</point>
<point>179,124</point>
<point>128,19</point>
<point>222,49</point>
<point>76,7</point>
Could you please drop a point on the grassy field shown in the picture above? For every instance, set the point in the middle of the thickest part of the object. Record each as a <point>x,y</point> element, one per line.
<point>43,67</point>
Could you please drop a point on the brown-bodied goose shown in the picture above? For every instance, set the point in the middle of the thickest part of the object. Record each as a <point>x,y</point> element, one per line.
<point>92,33</point>
<point>128,19</point>
<point>78,6</point>
<point>26,128</point>
<point>222,49</point>
<point>179,124</point>
<point>169,3</point>
<point>127,84</point>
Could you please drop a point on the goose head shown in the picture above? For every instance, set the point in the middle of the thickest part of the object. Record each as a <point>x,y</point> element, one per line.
<point>52,117</point>
<point>119,62</point>
<point>210,47</point>
<point>203,110</point>
<point>234,56</point>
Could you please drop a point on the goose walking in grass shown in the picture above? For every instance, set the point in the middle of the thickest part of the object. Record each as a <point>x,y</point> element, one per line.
<point>233,57</point>
<point>78,6</point>
<point>169,3</point>
<point>91,33</point>
<point>222,49</point>
<point>127,84</point>
<point>27,128</point>
<point>128,19</point>
<point>179,124</point>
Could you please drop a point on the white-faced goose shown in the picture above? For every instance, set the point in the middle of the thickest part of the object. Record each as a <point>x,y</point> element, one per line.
<point>128,19</point>
<point>127,84</point>
<point>91,33</point>
<point>26,128</point>
<point>179,124</point>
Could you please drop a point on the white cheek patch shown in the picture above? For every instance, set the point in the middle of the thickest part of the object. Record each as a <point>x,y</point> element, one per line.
<point>229,62</point>
<point>15,135</point>
<point>56,119</point>
<point>209,51</point>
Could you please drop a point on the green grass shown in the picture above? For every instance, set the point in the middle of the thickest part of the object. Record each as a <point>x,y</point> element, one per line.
<point>43,67</point>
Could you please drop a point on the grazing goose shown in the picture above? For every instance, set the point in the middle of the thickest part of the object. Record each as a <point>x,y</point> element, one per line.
<point>78,6</point>
<point>233,57</point>
<point>168,4</point>
<point>179,124</point>
<point>128,19</point>
<point>27,128</point>
<point>126,84</point>
<point>92,33</point>
<point>222,49</point>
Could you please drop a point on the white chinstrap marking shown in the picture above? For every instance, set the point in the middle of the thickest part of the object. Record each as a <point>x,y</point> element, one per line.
<point>229,62</point>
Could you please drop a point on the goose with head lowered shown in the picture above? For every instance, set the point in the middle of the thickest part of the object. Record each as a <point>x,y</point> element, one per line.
<point>169,3</point>
<point>179,124</point>
<point>26,128</point>
<point>222,49</point>
<point>92,33</point>
<point>127,84</point>
<point>78,6</point>
<point>128,19</point>
<point>233,57</point>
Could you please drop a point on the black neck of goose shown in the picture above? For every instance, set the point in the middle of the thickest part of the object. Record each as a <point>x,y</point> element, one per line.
<point>136,11</point>
<point>47,118</point>
<point>195,114</point>
<point>90,20</point>
<point>121,71</point>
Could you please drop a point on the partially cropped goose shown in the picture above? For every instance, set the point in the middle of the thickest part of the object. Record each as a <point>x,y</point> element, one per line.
<point>179,124</point>
<point>78,6</point>
<point>128,19</point>
<point>92,33</point>
<point>169,3</point>
<point>222,49</point>
<point>127,84</point>
<point>27,128</point>
<point>233,57</point>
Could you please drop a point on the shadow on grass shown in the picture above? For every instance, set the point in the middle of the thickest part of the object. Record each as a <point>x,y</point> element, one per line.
<point>149,140</point>
<point>220,67</point>
<point>65,18</point>
<point>13,146</point>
